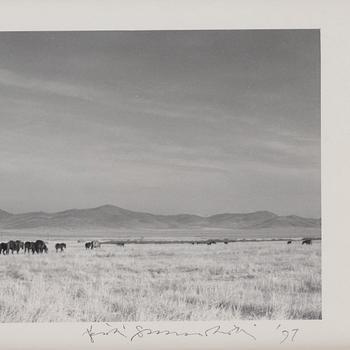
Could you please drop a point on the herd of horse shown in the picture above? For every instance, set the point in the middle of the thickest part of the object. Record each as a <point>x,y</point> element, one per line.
<point>92,245</point>
<point>40,246</point>
<point>211,241</point>
<point>303,241</point>
<point>37,247</point>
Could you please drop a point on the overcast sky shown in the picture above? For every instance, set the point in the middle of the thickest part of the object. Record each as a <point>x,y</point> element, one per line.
<point>166,122</point>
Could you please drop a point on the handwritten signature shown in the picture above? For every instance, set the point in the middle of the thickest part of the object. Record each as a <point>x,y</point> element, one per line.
<point>137,332</point>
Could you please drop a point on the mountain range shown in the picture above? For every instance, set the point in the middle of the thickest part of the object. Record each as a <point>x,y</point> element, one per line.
<point>113,217</point>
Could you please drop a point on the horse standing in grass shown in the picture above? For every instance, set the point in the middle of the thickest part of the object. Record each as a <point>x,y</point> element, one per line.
<point>18,246</point>
<point>38,246</point>
<point>3,248</point>
<point>27,247</point>
<point>60,246</point>
<point>210,242</point>
<point>306,241</point>
<point>89,245</point>
<point>32,247</point>
<point>11,245</point>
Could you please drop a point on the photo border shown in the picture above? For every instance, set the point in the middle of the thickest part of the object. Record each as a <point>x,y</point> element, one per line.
<point>331,17</point>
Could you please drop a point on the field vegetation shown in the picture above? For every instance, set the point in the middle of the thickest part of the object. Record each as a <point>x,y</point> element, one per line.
<point>243,280</point>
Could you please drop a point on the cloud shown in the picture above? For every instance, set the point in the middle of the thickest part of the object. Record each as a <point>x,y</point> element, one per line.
<point>12,79</point>
<point>179,121</point>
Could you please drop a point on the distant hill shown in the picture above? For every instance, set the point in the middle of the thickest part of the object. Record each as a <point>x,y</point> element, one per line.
<point>4,214</point>
<point>112,217</point>
<point>289,221</point>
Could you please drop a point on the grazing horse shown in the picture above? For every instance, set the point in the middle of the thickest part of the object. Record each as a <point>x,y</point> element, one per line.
<point>38,246</point>
<point>60,246</point>
<point>211,242</point>
<point>306,241</point>
<point>289,242</point>
<point>3,248</point>
<point>27,246</point>
<point>89,245</point>
<point>226,242</point>
<point>18,246</point>
<point>120,244</point>
<point>32,247</point>
<point>11,245</point>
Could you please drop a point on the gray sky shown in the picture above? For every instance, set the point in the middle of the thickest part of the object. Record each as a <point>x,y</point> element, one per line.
<point>166,122</point>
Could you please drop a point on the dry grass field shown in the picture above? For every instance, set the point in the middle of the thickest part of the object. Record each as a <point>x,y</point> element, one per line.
<point>255,280</point>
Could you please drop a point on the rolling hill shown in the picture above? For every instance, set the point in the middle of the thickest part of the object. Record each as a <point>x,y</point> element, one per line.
<point>112,217</point>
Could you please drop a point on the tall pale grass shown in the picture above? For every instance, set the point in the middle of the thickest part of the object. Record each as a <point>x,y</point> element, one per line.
<point>260,280</point>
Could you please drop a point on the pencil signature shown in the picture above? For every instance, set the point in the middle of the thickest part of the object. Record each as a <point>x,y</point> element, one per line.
<point>138,332</point>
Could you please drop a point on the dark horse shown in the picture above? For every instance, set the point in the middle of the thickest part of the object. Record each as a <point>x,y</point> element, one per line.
<point>38,246</point>
<point>18,246</point>
<point>11,245</point>
<point>3,248</point>
<point>306,241</point>
<point>89,245</point>
<point>211,242</point>
<point>289,242</point>
<point>27,247</point>
<point>60,246</point>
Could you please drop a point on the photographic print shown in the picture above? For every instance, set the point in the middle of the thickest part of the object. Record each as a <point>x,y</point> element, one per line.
<point>160,175</point>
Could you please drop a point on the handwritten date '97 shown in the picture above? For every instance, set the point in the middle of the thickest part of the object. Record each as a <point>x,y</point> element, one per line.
<point>138,332</point>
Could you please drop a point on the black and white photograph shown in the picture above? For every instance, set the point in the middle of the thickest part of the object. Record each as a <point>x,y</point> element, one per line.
<point>165,175</point>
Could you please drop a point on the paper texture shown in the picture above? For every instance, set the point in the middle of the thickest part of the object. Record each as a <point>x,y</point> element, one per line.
<point>331,17</point>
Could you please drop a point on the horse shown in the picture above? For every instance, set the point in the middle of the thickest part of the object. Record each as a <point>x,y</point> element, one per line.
<point>38,246</point>
<point>32,247</point>
<point>120,244</point>
<point>306,241</point>
<point>27,246</point>
<point>3,248</point>
<point>60,246</point>
<point>18,246</point>
<point>289,242</point>
<point>89,245</point>
<point>11,245</point>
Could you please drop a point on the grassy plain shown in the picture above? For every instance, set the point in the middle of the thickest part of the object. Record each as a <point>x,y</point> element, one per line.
<point>245,280</point>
